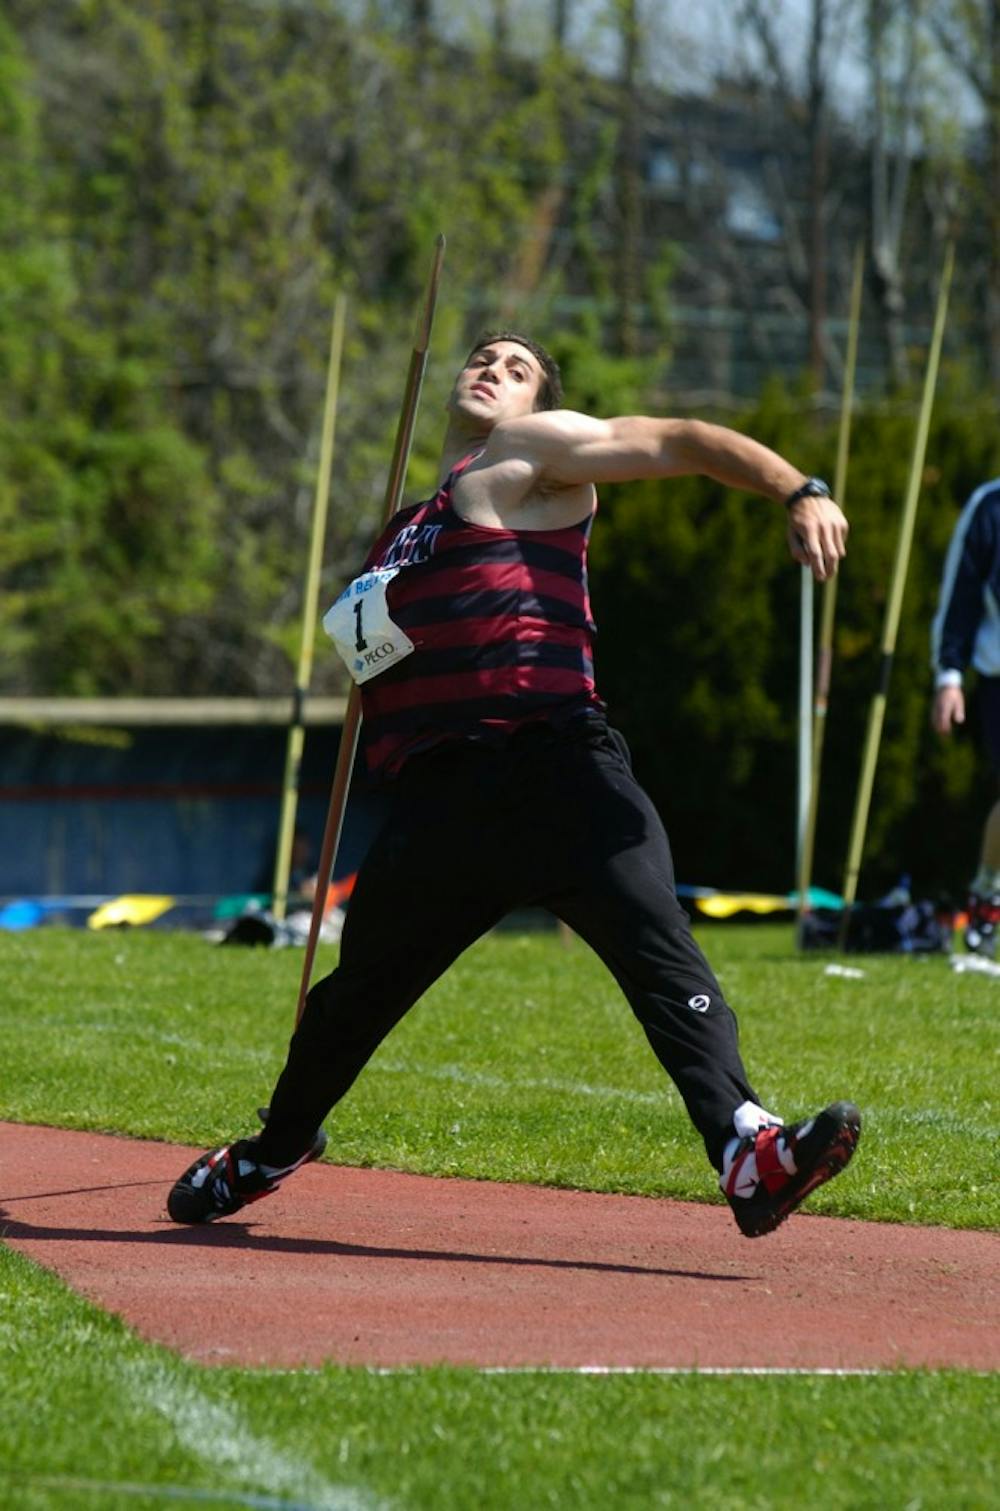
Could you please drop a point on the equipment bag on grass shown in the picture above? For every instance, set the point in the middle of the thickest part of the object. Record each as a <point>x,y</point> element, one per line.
<point>876,929</point>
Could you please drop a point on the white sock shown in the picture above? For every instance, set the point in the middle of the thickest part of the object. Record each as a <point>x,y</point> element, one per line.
<point>749,1119</point>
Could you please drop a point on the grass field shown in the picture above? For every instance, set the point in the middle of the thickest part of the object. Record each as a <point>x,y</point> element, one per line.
<point>523,1064</point>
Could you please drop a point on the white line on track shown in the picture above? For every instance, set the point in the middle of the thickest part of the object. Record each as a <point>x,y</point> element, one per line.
<point>218,1435</point>
<point>925,1117</point>
<point>656,1369</point>
<point>674,1369</point>
<point>687,1370</point>
<point>465,1077</point>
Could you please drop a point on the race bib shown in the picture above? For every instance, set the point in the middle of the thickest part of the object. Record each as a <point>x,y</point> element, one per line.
<point>362,629</point>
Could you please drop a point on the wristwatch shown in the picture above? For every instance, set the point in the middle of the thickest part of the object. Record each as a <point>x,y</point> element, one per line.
<point>813,487</point>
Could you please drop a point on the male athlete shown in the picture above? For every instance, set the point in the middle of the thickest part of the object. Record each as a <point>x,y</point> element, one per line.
<point>470,633</point>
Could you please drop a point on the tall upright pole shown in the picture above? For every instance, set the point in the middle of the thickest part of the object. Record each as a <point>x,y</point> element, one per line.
<point>303,675</point>
<point>352,718</point>
<point>806,776</point>
<point>876,713</point>
<point>824,655</point>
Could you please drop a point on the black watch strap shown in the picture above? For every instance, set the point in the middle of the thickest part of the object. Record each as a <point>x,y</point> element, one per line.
<point>813,487</point>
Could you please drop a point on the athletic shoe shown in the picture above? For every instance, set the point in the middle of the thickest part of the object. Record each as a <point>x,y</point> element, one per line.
<point>981,933</point>
<point>765,1176</point>
<point>228,1178</point>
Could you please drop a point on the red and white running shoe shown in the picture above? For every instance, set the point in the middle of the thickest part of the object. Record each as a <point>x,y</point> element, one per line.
<point>766,1175</point>
<point>228,1178</point>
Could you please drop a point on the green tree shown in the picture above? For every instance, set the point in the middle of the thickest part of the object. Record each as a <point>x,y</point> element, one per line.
<point>224,169</point>
<point>103,504</point>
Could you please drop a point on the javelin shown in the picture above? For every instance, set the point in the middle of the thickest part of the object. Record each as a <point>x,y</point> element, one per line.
<point>352,718</point>
<point>876,712</point>
<point>824,658</point>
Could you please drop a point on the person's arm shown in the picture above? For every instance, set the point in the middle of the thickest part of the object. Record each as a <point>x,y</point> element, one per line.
<point>967,569</point>
<point>948,707</point>
<point>570,449</point>
<point>960,607</point>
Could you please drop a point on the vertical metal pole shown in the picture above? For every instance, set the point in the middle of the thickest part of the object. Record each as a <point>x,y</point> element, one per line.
<point>352,718</point>
<point>806,616</point>
<point>824,655</point>
<point>876,713</point>
<point>297,728</point>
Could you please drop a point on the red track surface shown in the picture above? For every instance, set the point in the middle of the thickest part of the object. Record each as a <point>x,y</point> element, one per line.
<point>378,1268</point>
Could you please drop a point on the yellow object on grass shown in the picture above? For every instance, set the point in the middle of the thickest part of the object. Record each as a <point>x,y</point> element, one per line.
<point>725,904</point>
<point>141,908</point>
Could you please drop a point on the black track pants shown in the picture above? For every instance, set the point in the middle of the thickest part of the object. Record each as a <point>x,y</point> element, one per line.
<point>555,820</point>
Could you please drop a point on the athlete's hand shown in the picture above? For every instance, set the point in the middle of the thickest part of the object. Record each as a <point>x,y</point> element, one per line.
<point>817,535</point>
<point>947,709</point>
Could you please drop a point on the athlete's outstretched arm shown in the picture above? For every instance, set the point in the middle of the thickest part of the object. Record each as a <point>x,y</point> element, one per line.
<point>570,449</point>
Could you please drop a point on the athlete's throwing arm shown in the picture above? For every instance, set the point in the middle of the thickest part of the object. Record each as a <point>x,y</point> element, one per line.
<point>538,472</point>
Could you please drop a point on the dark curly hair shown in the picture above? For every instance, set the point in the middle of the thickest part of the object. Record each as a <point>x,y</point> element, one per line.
<point>550,392</point>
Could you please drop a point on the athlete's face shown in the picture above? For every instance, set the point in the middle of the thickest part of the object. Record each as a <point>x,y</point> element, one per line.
<point>500,381</point>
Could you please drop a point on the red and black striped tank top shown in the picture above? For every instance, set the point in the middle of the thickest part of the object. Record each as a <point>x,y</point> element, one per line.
<point>501,625</point>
